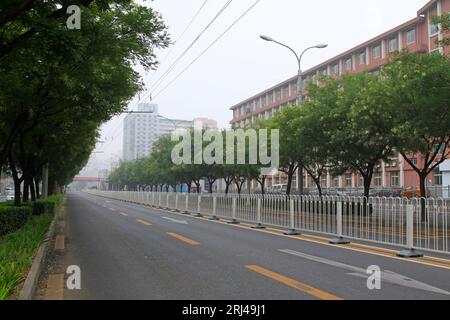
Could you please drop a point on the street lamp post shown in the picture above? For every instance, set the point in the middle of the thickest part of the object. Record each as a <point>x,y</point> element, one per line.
<point>299,99</point>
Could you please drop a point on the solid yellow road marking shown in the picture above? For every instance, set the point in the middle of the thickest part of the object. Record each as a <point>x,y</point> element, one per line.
<point>294,283</point>
<point>123,214</point>
<point>55,287</point>
<point>184,239</point>
<point>59,242</point>
<point>146,223</point>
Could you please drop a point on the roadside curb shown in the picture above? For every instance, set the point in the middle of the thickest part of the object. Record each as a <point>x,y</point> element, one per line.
<point>31,282</point>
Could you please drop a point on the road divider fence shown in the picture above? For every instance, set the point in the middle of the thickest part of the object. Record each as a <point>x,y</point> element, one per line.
<point>411,224</point>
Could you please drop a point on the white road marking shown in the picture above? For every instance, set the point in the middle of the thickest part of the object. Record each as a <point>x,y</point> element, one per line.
<point>175,220</point>
<point>387,276</point>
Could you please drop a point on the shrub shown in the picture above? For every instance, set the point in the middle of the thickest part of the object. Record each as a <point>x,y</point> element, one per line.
<point>12,218</point>
<point>39,207</point>
<point>17,250</point>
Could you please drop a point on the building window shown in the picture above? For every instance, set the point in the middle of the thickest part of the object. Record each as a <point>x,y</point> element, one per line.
<point>324,181</point>
<point>336,182</point>
<point>378,180</point>
<point>411,36</point>
<point>348,64</point>
<point>395,182</point>
<point>336,69</point>
<point>434,28</point>
<point>376,52</point>
<point>348,180</point>
<point>293,88</point>
<point>437,179</point>
<point>362,57</point>
<point>278,95</point>
<point>361,181</point>
<point>286,92</point>
<point>393,45</point>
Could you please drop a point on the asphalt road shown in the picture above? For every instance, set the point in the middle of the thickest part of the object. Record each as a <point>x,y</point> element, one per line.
<point>127,251</point>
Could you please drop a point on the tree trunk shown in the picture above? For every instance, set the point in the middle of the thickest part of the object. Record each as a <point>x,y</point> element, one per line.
<point>423,196</point>
<point>17,196</point>
<point>36,186</point>
<point>290,177</point>
<point>210,188</point>
<point>228,182</point>
<point>17,181</point>
<point>26,189</point>
<point>367,181</point>
<point>262,183</point>
<point>239,185</point>
<point>32,190</point>
<point>197,184</point>
<point>211,183</point>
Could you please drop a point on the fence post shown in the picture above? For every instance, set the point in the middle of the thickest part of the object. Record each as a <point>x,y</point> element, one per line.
<point>340,239</point>
<point>199,203</point>
<point>292,231</point>
<point>234,220</point>
<point>410,251</point>
<point>186,205</point>
<point>167,201</point>
<point>176,202</point>
<point>258,224</point>
<point>214,216</point>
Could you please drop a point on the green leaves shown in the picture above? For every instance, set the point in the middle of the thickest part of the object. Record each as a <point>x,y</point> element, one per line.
<point>65,83</point>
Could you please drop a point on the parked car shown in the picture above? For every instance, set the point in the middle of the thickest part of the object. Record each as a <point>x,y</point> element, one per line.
<point>277,188</point>
<point>413,192</point>
<point>386,192</point>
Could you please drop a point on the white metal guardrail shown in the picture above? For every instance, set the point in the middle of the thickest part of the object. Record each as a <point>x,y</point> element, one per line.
<point>408,223</point>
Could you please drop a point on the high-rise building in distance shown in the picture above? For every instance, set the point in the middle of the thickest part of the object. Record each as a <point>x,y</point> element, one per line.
<point>142,129</point>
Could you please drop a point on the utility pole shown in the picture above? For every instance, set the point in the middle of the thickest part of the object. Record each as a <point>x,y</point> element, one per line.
<point>299,101</point>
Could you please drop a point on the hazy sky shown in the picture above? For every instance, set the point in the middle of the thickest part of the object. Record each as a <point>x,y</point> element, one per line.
<point>241,64</point>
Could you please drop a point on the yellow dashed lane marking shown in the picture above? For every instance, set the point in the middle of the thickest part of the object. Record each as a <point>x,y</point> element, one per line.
<point>59,242</point>
<point>294,283</point>
<point>184,239</point>
<point>55,287</point>
<point>146,223</point>
<point>367,249</point>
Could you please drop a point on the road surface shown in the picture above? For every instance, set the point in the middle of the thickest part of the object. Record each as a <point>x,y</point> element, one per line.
<point>127,251</point>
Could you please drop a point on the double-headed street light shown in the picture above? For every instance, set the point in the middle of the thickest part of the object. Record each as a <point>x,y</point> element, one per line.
<point>299,90</point>
<point>299,61</point>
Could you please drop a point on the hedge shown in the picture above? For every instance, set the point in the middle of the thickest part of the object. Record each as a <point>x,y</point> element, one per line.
<point>13,218</point>
<point>41,206</point>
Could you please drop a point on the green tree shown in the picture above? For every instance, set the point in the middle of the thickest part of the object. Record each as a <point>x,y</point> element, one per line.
<point>419,101</point>
<point>290,154</point>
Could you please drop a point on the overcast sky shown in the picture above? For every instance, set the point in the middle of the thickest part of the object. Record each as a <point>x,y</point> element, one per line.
<point>241,64</point>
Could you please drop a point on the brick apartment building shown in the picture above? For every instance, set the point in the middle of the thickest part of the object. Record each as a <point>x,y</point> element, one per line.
<point>418,35</point>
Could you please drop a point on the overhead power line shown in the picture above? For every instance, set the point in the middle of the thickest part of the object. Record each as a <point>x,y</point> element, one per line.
<point>175,63</point>
<point>182,35</point>
<point>209,47</point>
